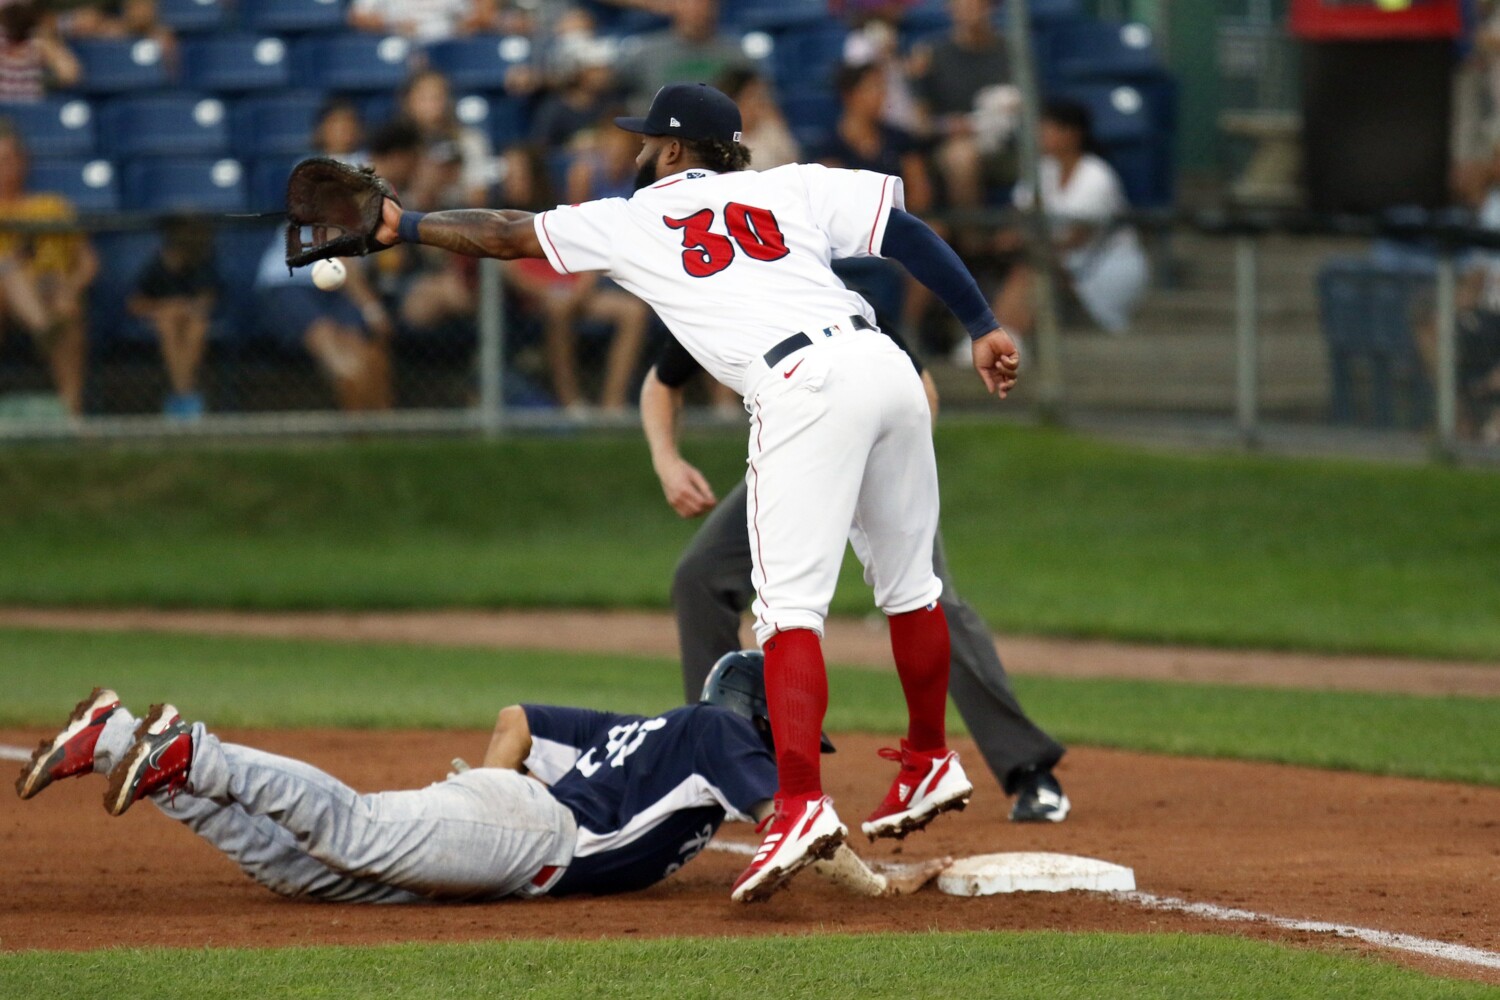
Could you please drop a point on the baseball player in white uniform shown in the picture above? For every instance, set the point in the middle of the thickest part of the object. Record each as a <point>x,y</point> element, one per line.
<point>736,263</point>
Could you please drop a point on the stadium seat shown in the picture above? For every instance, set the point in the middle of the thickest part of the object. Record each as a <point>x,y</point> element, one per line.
<point>480,62</point>
<point>274,124</point>
<point>1367,312</point>
<point>352,62</point>
<point>91,185</point>
<point>54,126</point>
<point>812,116</point>
<point>194,184</point>
<point>291,16</point>
<point>268,174</point>
<point>1119,113</point>
<point>1131,141</point>
<point>164,126</point>
<point>1084,50</point>
<point>238,247</point>
<point>808,57</point>
<point>501,118</point>
<point>127,252</point>
<point>115,66</point>
<point>191,16</point>
<point>773,15</point>
<point>232,63</point>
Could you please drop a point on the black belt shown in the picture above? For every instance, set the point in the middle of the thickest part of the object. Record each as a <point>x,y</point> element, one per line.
<point>797,341</point>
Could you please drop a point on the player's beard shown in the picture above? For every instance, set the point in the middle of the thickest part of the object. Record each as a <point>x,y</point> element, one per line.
<point>646,176</point>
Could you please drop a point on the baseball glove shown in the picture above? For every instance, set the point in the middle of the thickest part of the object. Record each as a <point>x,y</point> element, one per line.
<point>342,205</point>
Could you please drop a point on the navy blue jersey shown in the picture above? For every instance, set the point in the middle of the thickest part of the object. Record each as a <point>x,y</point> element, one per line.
<point>648,793</point>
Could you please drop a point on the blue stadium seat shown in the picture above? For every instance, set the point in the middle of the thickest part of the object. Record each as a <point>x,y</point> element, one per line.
<point>192,184</point>
<point>274,124</point>
<point>501,118</point>
<point>127,253</point>
<point>191,16</point>
<point>352,62</point>
<point>54,126</point>
<point>268,174</point>
<point>1131,140</point>
<point>1086,50</point>
<point>808,57</point>
<point>480,62</point>
<point>376,108</point>
<point>772,15</point>
<point>812,116</point>
<point>231,63</point>
<point>91,185</point>
<point>237,251</point>
<point>114,66</point>
<point>291,16</point>
<point>164,126</point>
<point>1119,112</point>
<point>1368,314</point>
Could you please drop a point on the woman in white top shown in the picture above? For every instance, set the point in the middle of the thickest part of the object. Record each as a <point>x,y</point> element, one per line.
<point>1100,259</point>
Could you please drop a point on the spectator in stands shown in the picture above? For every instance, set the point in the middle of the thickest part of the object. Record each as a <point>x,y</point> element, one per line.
<point>862,141</point>
<point>176,293</point>
<point>44,277</point>
<point>424,21</point>
<point>1100,259</point>
<point>32,57</point>
<point>584,89</point>
<point>603,165</point>
<point>765,132</point>
<point>338,131</point>
<point>954,78</point>
<point>564,300</point>
<point>347,332</point>
<point>121,19</point>
<point>692,51</point>
<point>460,166</point>
<point>878,41</point>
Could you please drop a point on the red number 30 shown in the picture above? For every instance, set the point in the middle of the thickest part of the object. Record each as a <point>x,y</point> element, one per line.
<point>707,253</point>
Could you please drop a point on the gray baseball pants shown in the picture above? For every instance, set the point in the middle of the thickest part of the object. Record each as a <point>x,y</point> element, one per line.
<point>711,590</point>
<point>482,834</point>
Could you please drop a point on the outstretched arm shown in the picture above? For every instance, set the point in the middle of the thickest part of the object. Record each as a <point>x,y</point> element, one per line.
<point>923,253</point>
<point>473,232</point>
<point>510,743</point>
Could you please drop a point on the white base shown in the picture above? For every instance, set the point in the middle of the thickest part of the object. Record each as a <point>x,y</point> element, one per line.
<point>1029,871</point>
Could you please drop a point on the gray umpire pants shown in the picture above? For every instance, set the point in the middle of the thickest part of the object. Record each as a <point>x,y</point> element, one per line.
<point>711,590</point>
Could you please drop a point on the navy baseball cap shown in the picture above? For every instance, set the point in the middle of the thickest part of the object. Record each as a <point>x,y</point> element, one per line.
<point>688,111</point>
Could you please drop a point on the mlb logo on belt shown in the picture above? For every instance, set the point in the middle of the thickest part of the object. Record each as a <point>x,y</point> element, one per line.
<point>829,331</point>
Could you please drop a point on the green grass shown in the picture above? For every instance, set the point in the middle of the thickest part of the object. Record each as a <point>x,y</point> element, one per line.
<point>1017,966</point>
<point>1047,533</point>
<point>272,683</point>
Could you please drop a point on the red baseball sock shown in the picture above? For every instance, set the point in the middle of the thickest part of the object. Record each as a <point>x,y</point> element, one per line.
<point>797,696</point>
<point>919,640</point>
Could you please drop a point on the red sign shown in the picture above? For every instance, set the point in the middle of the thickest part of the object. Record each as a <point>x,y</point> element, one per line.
<point>1353,20</point>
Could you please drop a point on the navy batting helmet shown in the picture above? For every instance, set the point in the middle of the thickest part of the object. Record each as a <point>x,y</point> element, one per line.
<point>738,682</point>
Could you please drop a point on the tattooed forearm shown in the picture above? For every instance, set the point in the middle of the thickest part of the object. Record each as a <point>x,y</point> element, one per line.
<point>481,232</point>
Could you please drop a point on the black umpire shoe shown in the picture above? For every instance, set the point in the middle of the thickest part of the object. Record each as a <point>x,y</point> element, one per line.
<point>1039,798</point>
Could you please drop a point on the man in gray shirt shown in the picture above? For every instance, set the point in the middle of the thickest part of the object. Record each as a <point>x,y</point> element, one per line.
<point>693,49</point>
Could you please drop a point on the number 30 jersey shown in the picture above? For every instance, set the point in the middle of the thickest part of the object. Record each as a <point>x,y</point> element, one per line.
<point>733,263</point>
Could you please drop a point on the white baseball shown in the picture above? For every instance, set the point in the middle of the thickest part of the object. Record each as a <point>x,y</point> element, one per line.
<point>329,274</point>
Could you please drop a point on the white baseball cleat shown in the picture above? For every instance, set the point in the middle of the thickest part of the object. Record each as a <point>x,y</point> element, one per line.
<point>926,785</point>
<point>800,832</point>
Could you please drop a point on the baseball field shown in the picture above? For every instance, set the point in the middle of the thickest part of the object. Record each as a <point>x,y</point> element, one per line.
<point>1280,681</point>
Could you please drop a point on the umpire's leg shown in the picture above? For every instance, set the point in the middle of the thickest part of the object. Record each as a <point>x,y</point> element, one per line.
<point>1009,741</point>
<point>711,590</point>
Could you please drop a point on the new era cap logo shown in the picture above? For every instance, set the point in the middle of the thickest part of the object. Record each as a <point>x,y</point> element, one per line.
<point>674,123</point>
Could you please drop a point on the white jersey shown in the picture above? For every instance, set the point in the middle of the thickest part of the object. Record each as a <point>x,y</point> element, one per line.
<point>733,263</point>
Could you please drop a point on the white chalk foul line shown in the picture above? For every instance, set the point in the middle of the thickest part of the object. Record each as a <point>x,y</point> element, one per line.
<point>1382,939</point>
<point>14,753</point>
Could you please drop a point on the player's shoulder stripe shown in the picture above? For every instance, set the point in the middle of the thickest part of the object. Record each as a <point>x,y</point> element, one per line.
<point>875,226</point>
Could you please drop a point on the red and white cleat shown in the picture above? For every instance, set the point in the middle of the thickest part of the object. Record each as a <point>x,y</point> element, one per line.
<point>159,758</point>
<point>926,785</point>
<point>800,832</point>
<point>71,752</point>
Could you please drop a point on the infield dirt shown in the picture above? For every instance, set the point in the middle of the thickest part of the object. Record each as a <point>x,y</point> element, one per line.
<point>1405,856</point>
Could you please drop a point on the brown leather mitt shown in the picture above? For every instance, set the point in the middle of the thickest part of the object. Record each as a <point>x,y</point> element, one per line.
<point>342,205</point>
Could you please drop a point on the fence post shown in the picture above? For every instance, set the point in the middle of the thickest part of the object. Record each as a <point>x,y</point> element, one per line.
<point>491,348</point>
<point>1447,353</point>
<point>1246,337</point>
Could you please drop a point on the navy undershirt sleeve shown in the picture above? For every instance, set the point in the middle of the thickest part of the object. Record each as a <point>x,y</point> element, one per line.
<point>912,243</point>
